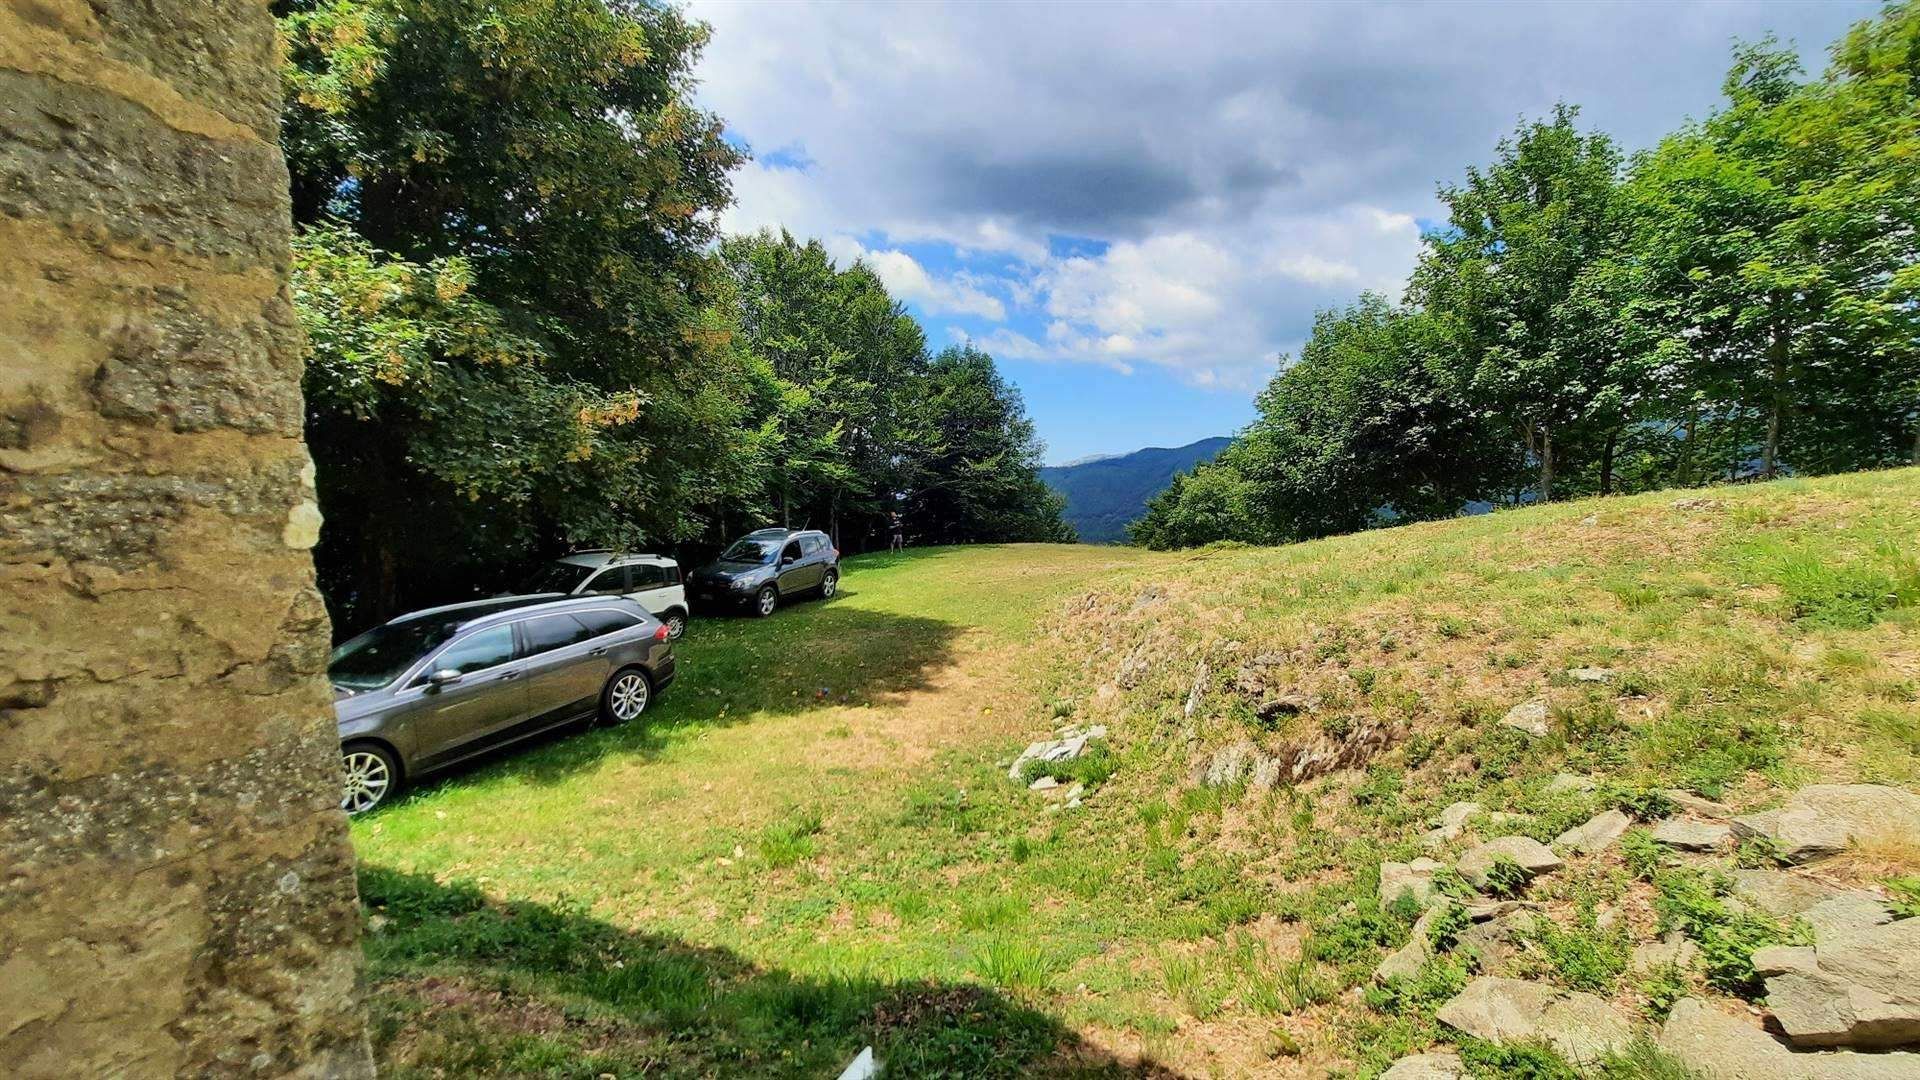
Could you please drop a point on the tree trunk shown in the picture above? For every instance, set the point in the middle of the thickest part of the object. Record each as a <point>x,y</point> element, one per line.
<point>1606,462</point>
<point>1546,464</point>
<point>1777,355</point>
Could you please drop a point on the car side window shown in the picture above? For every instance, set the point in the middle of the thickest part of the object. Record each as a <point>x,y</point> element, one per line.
<point>792,551</point>
<point>646,576</point>
<point>480,649</point>
<point>606,622</point>
<point>611,582</point>
<point>549,632</point>
<point>671,573</point>
<point>810,545</point>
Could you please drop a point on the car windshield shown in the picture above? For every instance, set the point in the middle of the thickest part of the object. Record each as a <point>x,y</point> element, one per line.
<point>560,577</point>
<point>378,656</point>
<point>751,550</point>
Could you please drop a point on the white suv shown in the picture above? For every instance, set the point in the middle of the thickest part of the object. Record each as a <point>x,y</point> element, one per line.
<point>652,581</point>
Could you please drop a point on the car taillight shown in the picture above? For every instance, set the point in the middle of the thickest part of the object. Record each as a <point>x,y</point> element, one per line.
<point>836,553</point>
<point>661,633</point>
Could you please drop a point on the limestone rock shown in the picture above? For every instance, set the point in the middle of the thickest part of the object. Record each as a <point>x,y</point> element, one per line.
<point>1674,950</point>
<point>1071,744</point>
<point>1838,916</point>
<point>1581,1026</point>
<point>1824,819</point>
<point>1491,940</point>
<point>1406,961</point>
<point>1597,835</point>
<point>1450,824</point>
<point>1437,1066</point>
<point>1415,878</point>
<point>1720,1046</point>
<point>1685,834</point>
<point>1528,716</point>
<point>1778,892</point>
<point>1531,855</point>
<point>1859,989</point>
<point>1591,674</point>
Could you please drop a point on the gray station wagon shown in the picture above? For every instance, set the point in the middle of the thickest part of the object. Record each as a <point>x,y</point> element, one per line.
<point>437,686</point>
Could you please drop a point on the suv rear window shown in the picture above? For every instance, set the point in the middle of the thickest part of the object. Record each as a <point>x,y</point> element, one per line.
<point>606,621</point>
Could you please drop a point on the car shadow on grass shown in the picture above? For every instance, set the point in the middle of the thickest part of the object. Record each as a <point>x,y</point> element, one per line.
<point>730,671</point>
<point>466,986</point>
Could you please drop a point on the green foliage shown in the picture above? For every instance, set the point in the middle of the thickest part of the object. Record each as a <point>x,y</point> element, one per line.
<point>1643,1059</point>
<point>1690,901</point>
<point>1095,765</point>
<point>1583,955</point>
<point>1437,981</point>
<point>1664,986</point>
<point>1012,963</point>
<point>791,840</point>
<point>1905,891</point>
<point>1515,1060</point>
<point>1505,877</point>
<point>1643,855</point>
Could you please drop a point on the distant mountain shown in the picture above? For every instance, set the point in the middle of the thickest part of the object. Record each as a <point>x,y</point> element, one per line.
<point>1105,494</point>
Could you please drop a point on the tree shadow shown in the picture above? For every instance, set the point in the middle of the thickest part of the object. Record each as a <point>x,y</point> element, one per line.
<point>465,986</point>
<point>805,657</point>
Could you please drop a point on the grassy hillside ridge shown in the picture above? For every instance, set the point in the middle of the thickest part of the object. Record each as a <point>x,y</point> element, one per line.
<point>814,844</point>
<point>1107,494</point>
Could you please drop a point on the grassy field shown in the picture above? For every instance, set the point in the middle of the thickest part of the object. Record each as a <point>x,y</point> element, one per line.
<point>812,844</point>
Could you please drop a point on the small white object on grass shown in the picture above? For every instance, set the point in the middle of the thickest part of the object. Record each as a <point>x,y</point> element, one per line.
<point>862,1067</point>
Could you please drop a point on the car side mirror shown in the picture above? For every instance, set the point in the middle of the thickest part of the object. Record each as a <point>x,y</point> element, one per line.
<point>444,677</point>
<point>788,560</point>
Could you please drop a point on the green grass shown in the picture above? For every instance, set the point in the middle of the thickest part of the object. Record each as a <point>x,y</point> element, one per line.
<point>811,844</point>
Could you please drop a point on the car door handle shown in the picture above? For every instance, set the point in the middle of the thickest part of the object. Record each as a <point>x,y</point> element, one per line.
<point>601,651</point>
<point>505,675</point>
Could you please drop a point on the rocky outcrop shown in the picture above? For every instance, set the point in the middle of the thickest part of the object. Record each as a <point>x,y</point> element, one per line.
<point>1528,716</point>
<point>1413,879</point>
<point>1530,855</point>
<point>1581,1026</point>
<point>1858,989</point>
<point>1686,834</point>
<point>1599,833</point>
<point>1824,819</point>
<point>1829,909</point>
<point>1070,743</point>
<point>1717,1045</point>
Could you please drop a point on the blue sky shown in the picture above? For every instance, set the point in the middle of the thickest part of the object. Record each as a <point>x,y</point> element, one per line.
<point>1138,207</point>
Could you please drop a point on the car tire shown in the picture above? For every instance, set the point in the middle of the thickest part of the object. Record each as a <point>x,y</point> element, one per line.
<point>767,599</point>
<point>676,623</point>
<point>372,775</point>
<point>830,585</point>
<point>626,696</point>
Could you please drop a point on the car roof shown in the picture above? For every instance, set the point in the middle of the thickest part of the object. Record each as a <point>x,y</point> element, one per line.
<point>475,612</point>
<point>611,558</point>
<point>769,534</point>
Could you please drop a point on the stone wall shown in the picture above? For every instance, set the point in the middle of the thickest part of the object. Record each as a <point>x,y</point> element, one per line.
<point>176,886</point>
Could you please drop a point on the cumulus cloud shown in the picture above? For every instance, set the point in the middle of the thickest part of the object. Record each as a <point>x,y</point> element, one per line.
<point>1236,166</point>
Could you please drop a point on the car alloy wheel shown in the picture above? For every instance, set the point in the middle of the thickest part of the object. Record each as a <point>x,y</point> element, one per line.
<point>628,698</point>
<point>768,600</point>
<point>676,625</point>
<point>369,778</point>
<point>828,586</point>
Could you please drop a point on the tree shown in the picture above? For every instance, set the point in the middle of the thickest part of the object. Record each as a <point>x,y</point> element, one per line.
<point>1500,282</point>
<point>1782,231</point>
<point>547,159</point>
<point>976,472</point>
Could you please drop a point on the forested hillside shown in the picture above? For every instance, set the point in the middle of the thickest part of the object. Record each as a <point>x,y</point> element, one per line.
<point>1742,300</point>
<point>1105,495</point>
<point>527,331</point>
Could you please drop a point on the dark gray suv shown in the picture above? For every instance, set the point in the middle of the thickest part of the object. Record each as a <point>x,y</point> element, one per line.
<point>765,567</point>
<point>437,686</point>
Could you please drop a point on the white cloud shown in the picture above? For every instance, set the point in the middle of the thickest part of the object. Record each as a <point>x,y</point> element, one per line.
<point>907,280</point>
<point>1273,163</point>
